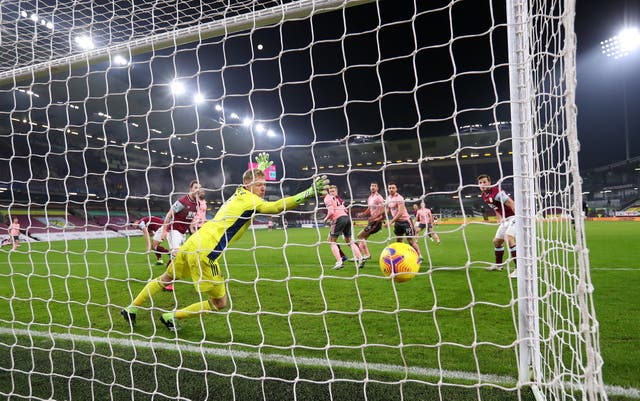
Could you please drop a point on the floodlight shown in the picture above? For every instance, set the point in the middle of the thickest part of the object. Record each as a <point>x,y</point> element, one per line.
<point>247,121</point>
<point>271,133</point>
<point>218,107</point>
<point>84,42</point>
<point>623,44</point>
<point>34,17</point>
<point>235,116</point>
<point>198,98</point>
<point>177,88</point>
<point>259,128</point>
<point>119,60</point>
<point>24,14</point>
<point>50,25</point>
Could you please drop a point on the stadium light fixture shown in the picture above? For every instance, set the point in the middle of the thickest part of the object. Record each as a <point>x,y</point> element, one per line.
<point>119,60</point>
<point>271,133</point>
<point>235,116</point>
<point>84,42</point>
<point>177,88</point>
<point>198,98</point>
<point>623,44</point>
<point>259,127</point>
<point>218,107</point>
<point>24,14</point>
<point>34,17</point>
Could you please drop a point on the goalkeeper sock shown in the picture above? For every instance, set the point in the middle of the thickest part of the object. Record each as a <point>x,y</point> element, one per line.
<point>513,253</point>
<point>499,254</point>
<point>342,255</point>
<point>153,287</point>
<point>193,310</point>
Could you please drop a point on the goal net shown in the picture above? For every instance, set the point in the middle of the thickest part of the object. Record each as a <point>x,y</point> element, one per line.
<point>110,109</point>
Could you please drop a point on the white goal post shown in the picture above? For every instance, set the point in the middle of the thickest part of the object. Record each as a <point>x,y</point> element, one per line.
<point>108,109</point>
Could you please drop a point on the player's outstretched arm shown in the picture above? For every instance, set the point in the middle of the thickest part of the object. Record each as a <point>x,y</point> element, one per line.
<point>320,187</point>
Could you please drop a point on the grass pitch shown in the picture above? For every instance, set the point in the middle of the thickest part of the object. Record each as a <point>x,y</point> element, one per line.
<point>313,332</point>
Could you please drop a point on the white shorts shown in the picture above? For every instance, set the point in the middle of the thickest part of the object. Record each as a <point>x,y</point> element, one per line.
<point>158,235</point>
<point>507,227</point>
<point>175,239</point>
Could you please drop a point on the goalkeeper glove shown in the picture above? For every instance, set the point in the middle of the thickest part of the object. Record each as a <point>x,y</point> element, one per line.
<point>320,186</point>
<point>263,161</point>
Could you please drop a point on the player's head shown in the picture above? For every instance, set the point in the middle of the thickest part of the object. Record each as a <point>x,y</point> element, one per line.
<point>422,205</point>
<point>415,206</point>
<point>194,187</point>
<point>201,193</point>
<point>374,187</point>
<point>15,220</point>
<point>135,223</point>
<point>333,190</point>
<point>392,188</point>
<point>484,182</point>
<point>253,180</point>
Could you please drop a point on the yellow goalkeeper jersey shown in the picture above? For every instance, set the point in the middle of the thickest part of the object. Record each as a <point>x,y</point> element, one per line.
<point>232,220</point>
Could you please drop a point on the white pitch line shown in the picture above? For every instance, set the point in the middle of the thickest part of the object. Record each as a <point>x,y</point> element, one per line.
<point>300,361</point>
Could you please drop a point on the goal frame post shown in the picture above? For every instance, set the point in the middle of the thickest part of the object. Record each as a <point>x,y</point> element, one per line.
<point>522,136</point>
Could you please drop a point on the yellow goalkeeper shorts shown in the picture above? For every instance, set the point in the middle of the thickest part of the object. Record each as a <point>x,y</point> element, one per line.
<point>204,273</point>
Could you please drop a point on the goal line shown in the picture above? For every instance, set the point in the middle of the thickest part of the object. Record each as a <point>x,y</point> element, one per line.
<point>496,380</point>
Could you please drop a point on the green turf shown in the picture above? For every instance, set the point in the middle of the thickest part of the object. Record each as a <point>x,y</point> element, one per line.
<point>288,301</point>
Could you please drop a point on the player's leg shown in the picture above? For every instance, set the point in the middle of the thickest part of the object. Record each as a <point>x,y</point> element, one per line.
<point>362,243</point>
<point>336,230</point>
<point>175,240</point>
<point>405,229</point>
<point>173,272</point>
<point>208,281</point>
<point>343,256</point>
<point>510,235</point>
<point>498,249</point>
<point>357,255</point>
<point>158,249</point>
<point>432,234</point>
<point>335,250</point>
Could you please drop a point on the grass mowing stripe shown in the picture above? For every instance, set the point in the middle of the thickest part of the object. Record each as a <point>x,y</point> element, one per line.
<point>302,361</point>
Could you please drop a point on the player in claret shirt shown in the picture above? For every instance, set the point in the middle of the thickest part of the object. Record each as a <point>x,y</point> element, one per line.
<point>505,211</point>
<point>151,227</point>
<point>179,219</point>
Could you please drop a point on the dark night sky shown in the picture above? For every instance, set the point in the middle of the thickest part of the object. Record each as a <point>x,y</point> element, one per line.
<point>599,95</point>
<point>323,88</point>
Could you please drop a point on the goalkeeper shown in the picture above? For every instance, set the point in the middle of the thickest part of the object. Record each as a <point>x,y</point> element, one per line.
<point>199,257</point>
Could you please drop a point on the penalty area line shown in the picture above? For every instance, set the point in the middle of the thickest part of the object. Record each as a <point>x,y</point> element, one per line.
<point>300,361</point>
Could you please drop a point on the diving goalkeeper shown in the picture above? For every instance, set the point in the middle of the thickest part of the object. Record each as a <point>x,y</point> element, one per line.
<point>199,257</point>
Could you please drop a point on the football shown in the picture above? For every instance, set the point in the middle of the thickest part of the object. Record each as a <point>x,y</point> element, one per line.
<point>400,261</point>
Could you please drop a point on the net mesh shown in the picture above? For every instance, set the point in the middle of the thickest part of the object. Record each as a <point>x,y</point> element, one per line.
<point>110,108</point>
